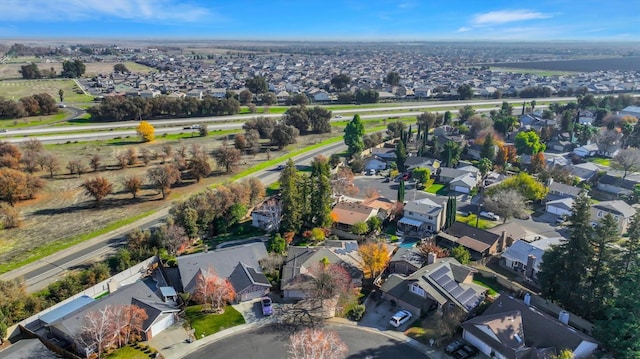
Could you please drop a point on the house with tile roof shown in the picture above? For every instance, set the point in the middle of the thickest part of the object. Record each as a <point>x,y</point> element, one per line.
<point>511,329</point>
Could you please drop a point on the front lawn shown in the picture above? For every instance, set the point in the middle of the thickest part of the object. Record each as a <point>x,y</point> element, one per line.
<point>435,188</point>
<point>128,353</point>
<point>602,161</point>
<point>211,323</point>
<point>471,220</point>
<point>492,285</point>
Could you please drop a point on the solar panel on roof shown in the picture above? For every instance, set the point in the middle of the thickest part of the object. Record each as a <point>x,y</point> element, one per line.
<point>457,291</point>
<point>464,297</point>
<point>439,273</point>
<point>450,286</point>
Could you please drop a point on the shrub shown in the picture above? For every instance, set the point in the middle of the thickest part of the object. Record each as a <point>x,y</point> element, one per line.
<point>356,312</point>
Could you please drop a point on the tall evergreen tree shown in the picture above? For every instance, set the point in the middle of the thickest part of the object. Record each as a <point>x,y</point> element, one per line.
<point>631,246</point>
<point>290,195</point>
<point>565,268</point>
<point>354,135</point>
<point>620,331</point>
<point>602,277</point>
<point>401,155</point>
<point>320,201</point>
<point>488,148</point>
<point>401,191</point>
<point>450,217</point>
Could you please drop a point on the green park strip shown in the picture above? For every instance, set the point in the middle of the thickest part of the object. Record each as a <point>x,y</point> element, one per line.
<point>27,122</point>
<point>267,164</point>
<point>59,245</point>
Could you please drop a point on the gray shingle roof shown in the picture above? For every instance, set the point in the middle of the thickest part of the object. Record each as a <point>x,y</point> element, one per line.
<point>617,207</point>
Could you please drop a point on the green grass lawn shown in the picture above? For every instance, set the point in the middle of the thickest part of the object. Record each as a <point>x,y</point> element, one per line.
<point>128,353</point>
<point>435,188</point>
<point>208,323</point>
<point>273,188</point>
<point>471,220</point>
<point>600,161</point>
<point>491,284</point>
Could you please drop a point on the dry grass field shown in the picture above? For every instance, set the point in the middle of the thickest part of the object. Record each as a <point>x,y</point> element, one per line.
<point>62,210</point>
<point>10,69</point>
<point>15,89</point>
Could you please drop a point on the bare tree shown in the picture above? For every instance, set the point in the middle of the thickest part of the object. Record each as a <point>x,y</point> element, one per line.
<point>122,159</point>
<point>316,344</point>
<point>167,151</point>
<point>628,160</point>
<point>95,162</point>
<point>506,203</point>
<point>227,157</point>
<point>327,280</point>
<point>132,184</point>
<point>33,145</point>
<point>173,238</point>
<point>163,177</point>
<point>606,139</point>
<point>30,161</point>
<point>132,156</point>
<point>213,290</point>
<point>256,190</point>
<point>96,333</point>
<point>199,164</point>
<point>98,188</point>
<point>343,182</point>
<point>49,162</point>
<point>128,323</point>
<point>76,167</point>
<point>146,155</point>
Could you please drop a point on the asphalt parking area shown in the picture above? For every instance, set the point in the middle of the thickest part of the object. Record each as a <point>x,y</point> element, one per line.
<point>378,314</point>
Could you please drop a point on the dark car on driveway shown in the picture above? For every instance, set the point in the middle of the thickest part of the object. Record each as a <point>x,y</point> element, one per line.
<point>453,346</point>
<point>466,352</point>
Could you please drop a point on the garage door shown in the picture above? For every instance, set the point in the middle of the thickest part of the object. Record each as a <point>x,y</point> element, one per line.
<point>162,324</point>
<point>552,209</point>
<point>461,189</point>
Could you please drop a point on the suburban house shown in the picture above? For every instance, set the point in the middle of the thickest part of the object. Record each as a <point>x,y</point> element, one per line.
<point>586,172</point>
<point>406,261</point>
<point>586,117</point>
<point>384,205</point>
<point>346,214</point>
<point>620,210</point>
<point>239,264</point>
<point>510,329</point>
<point>524,257</point>
<point>424,215</point>
<point>621,187</point>
<point>439,285</point>
<point>631,111</point>
<point>560,206</point>
<point>295,272</point>
<point>589,150</point>
<point>510,231</point>
<point>462,180</point>
<point>384,153</point>
<point>532,122</point>
<point>66,322</point>
<point>373,163</point>
<point>559,200</point>
<point>267,215</point>
<point>446,133</point>
<point>479,242</point>
<point>413,162</point>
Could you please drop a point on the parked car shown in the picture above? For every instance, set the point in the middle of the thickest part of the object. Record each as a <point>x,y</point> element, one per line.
<point>400,318</point>
<point>489,215</point>
<point>453,346</point>
<point>267,308</point>
<point>561,219</point>
<point>192,127</point>
<point>280,167</point>
<point>3,130</point>
<point>370,172</point>
<point>61,105</point>
<point>465,352</point>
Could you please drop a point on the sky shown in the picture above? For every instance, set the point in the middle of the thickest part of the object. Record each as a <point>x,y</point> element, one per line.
<point>318,20</point>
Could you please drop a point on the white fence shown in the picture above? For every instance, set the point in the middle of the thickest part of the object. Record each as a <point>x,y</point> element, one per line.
<point>128,276</point>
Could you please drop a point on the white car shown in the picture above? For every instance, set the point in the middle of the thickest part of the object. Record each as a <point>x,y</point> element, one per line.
<point>490,215</point>
<point>400,318</point>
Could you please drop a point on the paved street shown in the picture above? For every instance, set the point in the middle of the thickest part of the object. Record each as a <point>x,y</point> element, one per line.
<point>268,342</point>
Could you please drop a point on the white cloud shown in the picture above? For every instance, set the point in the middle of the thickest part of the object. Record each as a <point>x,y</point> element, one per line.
<point>463,29</point>
<point>506,16</point>
<point>78,10</point>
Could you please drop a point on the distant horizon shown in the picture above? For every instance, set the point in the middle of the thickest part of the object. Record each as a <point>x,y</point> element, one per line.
<point>329,21</point>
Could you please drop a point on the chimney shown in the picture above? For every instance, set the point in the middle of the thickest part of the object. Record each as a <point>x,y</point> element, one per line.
<point>431,258</point>
<point>531,261</point>
<point>112,285</point>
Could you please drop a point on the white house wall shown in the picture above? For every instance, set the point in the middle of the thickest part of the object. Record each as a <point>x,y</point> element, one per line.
<point>585,350</point>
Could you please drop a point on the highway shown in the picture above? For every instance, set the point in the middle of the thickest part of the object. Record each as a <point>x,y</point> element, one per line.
<point>39,274</point>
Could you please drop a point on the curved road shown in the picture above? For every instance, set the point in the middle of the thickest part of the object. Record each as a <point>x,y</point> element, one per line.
<point>268,342</point>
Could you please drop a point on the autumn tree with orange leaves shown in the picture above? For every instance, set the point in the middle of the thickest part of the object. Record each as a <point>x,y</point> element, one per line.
<point>213,290</point>
<point>375,257</point>
<point>146,131</point>
<point>316,344</point>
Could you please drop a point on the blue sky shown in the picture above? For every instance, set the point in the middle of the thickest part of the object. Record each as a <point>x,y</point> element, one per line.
<point>379,20</point>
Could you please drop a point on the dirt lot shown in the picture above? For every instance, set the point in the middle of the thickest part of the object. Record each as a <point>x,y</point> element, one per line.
<point>62,210</point>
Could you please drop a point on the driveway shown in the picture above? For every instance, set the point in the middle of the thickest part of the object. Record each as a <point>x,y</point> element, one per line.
<point>378,314</point>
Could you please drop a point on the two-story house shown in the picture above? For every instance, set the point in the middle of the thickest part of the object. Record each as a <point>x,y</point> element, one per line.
<point>424,215</point>
<point>620,210</point>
